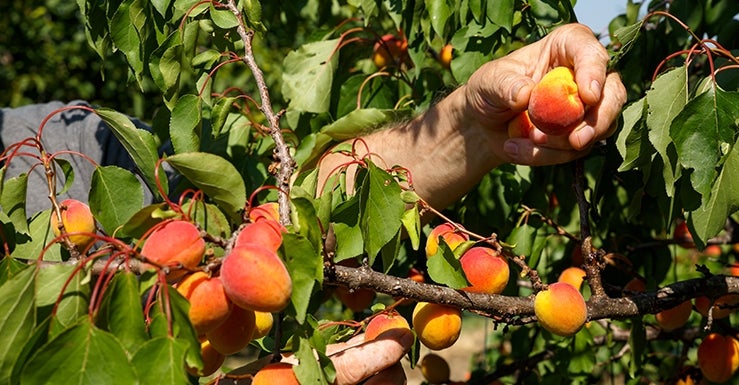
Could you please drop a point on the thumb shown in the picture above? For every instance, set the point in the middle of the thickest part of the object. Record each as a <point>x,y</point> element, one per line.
<point>498,91</point>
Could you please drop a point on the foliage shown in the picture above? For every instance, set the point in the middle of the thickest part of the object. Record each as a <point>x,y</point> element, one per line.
<point>74,312</point>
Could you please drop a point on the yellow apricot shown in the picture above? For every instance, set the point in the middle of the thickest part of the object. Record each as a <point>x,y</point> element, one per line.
<point>262,324</point>
<point>437,326</point>
<point>573,275</point>
<point>560,309</point>
<point>449,233</point>
<point>212,360</point>
<point>209,305</point>
<point>555,106</point>
<point>78,221</point>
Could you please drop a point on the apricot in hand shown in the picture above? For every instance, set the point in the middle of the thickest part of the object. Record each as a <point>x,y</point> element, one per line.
<point>437,326</point>
<point>555,106</point>
<point>255,278</point>
<point>486,270</point>
<point>718,357</point>
<point>209,305</point>
<point>77,220</point>
<point>384,322</point>
<point>560,309</point>
<point>520,126</point>
<point>174,243</point>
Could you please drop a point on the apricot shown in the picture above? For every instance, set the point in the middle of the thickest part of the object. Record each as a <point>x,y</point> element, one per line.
<point>262,324</point>
<point>390,51</point>
<point>722,306</point>
<point>255,278</point>
<point>635,285</point>
<point>355,299</point>
<point>718,357</point>
<point>174,243</point>
<point>445,56</point>
<point>449,233</point>
<point>682,235</point>
<point>675,317</point>
<point>269,212</point>
<point>275,373</point>
<point>555,106</point>
<point>383,322</point>
<point>713,251</point>
<point>435,369</point>
<point>520,126</point>
<point>262,232</point>
<point>234,333</point>
<point>560,309</point>
<point>78,221</point>
<point>437,326</point>
<point>573,275</point>
<point>212,360</point>
<point>209,305</point>
<point>485,269</point>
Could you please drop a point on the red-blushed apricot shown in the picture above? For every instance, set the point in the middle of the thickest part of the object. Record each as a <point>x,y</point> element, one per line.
<point>485,269</point>
<point>275,373</point>
<point>722,307</point>
<point>390,51</point>
<point>355,299</point>
<point>675,317</point>
<point>382,322</point>
<point>262,324</point>
<point>445,56</point>
<point>268,210</point>
<point>212,360</point>
<point>520,126</point>
<point>437,326</point>
<point>560,309</point>
<point>435,369</point>
<point>734,269</point>
<point>77,220</point>
<point>718,357</point>
<point>209,305</point>
<point>262,233</point>
<point>234,333</point>
<point>555,106</point>
<point>256,278</point>
<point>174,243</point>
<point>682,235</point>
<point>573,275</point>
<point>713,251</point>
<point>449,233</point>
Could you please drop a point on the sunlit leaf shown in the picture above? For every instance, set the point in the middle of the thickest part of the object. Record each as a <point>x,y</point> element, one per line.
<point>17,318</point>
<point>380,209</point>
<point>308,75</point>
<point>109,185</point>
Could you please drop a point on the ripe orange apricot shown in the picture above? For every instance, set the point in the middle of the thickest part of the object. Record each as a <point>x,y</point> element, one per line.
<point>262,232</point>
<point>675,317</point>
<point>573,275</point>
<point>520,126</point>
<point>212,360</point>
<point>234,333</point>
<point>77,220</point>
<point>255,278</point>
<point>209,305</point>
<point>437,326</point>
<point>635,285</point>
<point>275,373</point>
<point>486,270</point>
<point>435,369</point>
<point>449,233</point>
<point>683,236</point>
<point>173,243</point>
<point>550,305</point>
<point>722,306</point>
<point>445,56</point>
<point>390,51</point>
<point>355,299</point>
<point>555,106</point>
<point>262,324</point>
<point>718,357</point>
<point>383,322</point>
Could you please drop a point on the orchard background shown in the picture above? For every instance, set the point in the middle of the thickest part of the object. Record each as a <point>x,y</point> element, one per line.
<point>251,95</point>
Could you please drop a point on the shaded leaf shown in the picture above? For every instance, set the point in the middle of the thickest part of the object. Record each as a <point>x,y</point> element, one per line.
<point>17,318</point>
<point>161,361</point>
<point>13,201</point>
<point>444,268</point>
<point>380,209</point>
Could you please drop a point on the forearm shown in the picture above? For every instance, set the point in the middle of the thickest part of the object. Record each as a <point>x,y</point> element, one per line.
<point>445,151</point>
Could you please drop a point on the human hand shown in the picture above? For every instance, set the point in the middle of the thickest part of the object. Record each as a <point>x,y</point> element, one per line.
<point>500,89</point>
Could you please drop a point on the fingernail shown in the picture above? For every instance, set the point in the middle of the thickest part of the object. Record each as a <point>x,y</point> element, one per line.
<point>511,148</point>
<point>516,89</point>
<point>596,88</point>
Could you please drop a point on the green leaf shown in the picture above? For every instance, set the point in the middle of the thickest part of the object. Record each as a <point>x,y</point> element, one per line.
<point>444,268</point>
<point>17,318</point>
<point>139,143</point>
<point>73,302</point>
<point>81,355</point>
<point>523,239</point>
<point>665,100</point>
<point>308,76</point>
<point>13,201</point>
<point>223,18</point>
<point>121,312</point>
<point>361,122</point>
<point>108,185</point>
<point>703,133</point>
<point>633,141</point>
<point>176,323</point>
<point>40,234</point>
<point>161,361</point>
<point>125,35</point>
<point>411,220</point>
<point>345,219</point>
<point>164,63</point>
<point>185,125</point>
<point>68,173</point>
<point>380,209</point>
<point>501,13</point>
<point>216,176</point>
<point>439,12</point>
<point>309,370</point>
<point>638,343</point>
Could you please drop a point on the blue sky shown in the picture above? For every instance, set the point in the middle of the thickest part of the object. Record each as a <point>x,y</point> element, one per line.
<point>598,13</point>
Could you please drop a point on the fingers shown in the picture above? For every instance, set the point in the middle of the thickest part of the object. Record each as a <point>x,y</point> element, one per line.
<point>599,119</point>
<point>394,375</point>
<point>358,362</point>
